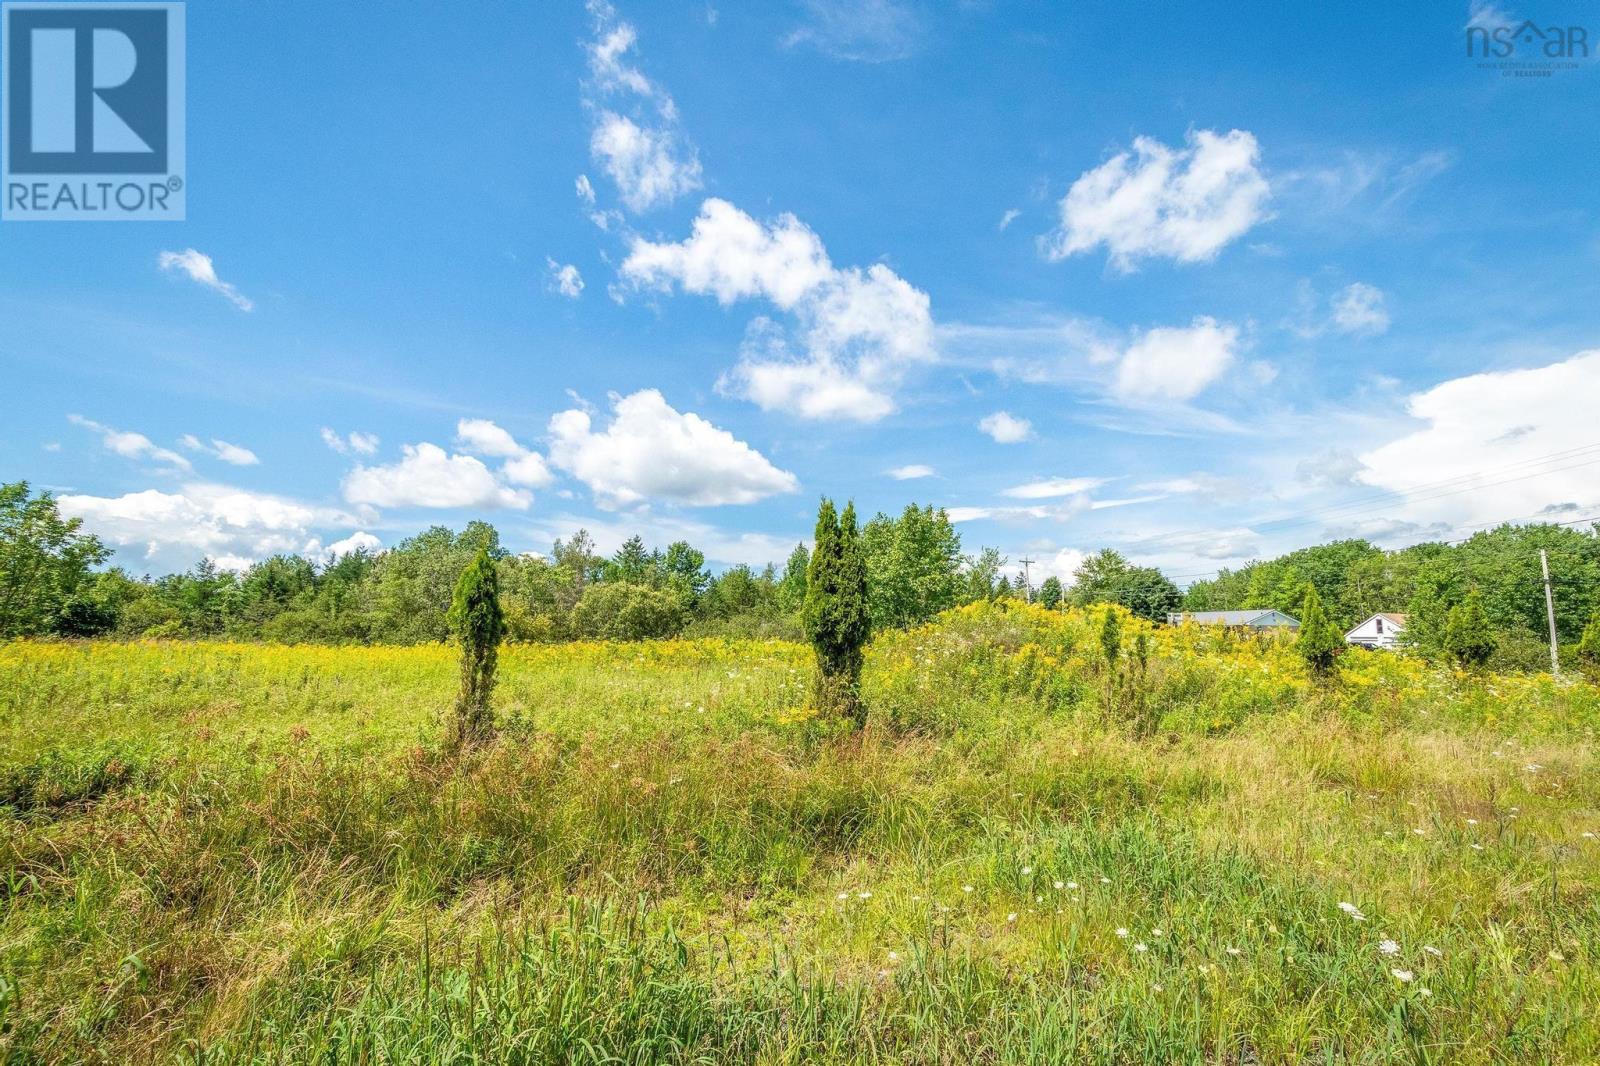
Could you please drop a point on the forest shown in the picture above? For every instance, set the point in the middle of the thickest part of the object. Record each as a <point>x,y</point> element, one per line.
<point>55,581</point>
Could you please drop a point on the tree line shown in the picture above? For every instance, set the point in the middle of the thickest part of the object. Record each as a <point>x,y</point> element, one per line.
<point>54,581</point>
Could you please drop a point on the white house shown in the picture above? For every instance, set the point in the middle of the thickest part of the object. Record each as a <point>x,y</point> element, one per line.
<point>1382,630</point>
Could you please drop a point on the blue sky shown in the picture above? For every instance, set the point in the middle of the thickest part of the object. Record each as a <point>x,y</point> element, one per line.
<point>1199,282</point>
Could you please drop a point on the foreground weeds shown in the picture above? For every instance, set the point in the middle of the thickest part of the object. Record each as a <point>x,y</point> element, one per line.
<point>223,853</point>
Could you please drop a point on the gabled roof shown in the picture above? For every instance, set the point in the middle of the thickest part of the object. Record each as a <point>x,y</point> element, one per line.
<point>1398,620</point>
<point>1258,616</point>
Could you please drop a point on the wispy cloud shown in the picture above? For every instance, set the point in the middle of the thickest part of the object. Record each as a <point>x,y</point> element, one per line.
<point>132,445</point>
<point>202,271</point>
<point>637,138</point>
<point>868,31</point>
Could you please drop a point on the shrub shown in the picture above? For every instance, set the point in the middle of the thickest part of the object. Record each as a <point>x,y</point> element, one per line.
<point>620,611</point>
<point>1320,642</point>
<point>1467,635</point>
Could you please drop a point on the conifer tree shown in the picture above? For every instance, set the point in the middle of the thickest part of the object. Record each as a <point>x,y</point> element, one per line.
<point>836,615</point>
<point>478,623</point>
<point>1320,642</point>
<point>1050,593</point>
<point>1468,637</point>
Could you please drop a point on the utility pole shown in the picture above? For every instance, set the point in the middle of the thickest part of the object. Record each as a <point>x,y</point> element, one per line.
<point>1550,613</point>
<point>1027,581</point>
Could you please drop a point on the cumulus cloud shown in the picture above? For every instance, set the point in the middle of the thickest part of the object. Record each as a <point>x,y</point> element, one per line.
<point>857,331</point>
<point>911,472</point>
<point>359,541</point>
<point>173,530</point>
<point>1360,309</point>
<point>221,449</point>
<point>1006,428</point>
<point>200,270</point>
<point>565,279</point>
<point>427,476</point>
<point>522,466</point>
<point>1333,468</point>
<point>1184,204</point>
<point>637,140</point>
<point>357,442</point>
<point>651,451</point>
<point>1061,564</point>
<point>1176,363</point>
<point>132,445</point>
<point>1477,457</point>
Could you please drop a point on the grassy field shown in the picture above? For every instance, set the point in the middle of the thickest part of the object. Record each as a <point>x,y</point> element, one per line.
<point>229,853</point>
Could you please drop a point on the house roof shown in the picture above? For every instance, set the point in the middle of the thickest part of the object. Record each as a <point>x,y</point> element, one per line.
<point>1257,617</point>
<point>1392,617</point>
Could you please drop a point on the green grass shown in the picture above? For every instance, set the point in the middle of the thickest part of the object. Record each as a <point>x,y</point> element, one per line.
<point>224,853</point>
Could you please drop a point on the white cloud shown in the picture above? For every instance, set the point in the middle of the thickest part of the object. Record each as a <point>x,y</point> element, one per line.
<point>1483,15</point>
<point>1176,363</point>
<point>202,271</point>
<point>1008,218</point>
<point>871,31</point>
<point>132,445</point>
<point>911,472</point>
<point>584,189</point>
<point>360,443</point>
<point>565,279</point>
<point>173,530</point>
<point>1181,203</point>
<point>1061,565</point>
<point>1053,487</point>
<point>522,466</point>
<point>1214,545</point>
<point>644,152</point>
<point>428,477</point>
<point>1056,511</point>
<point>651,451</point>
<point>857,330</point>
<point>1006,428</point>
<point>221,449</point>
<point>1360,309</point>
<point>360,540</point>
<point>1508,443</point>
<point>720,545</point>
<point>645,163</point>
<point>1213,486</point>
<point>1333,468</point>
<point>483,437</point>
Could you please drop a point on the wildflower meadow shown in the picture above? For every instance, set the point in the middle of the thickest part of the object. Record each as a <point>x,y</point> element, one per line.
<point>1043,848</point>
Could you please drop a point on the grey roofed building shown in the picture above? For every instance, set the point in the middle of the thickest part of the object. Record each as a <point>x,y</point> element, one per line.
<point>1256,619</point>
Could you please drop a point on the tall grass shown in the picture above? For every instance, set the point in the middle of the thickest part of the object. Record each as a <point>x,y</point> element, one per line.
<point>227,853</point>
